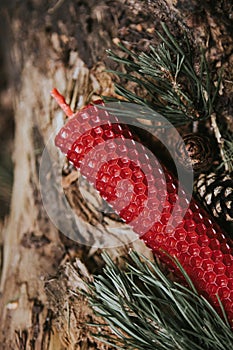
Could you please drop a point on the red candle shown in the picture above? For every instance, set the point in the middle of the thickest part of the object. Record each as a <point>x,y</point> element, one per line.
<point>144,193</point>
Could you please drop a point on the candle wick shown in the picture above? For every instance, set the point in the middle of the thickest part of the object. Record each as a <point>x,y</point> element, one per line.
<point>62,103</point>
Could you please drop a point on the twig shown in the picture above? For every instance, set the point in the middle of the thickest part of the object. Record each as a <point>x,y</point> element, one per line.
<point>58,4</point>
<point>219,139</point>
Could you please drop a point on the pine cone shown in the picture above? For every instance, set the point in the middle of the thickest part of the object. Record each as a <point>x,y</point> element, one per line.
<point>217,194</point>
<point>197,149</point>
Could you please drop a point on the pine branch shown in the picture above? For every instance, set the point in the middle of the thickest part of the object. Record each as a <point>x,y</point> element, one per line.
<point>146,310</point>
<point>174,89</point>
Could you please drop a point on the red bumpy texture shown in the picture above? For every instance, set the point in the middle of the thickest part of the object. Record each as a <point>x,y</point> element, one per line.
<point>144,193</point>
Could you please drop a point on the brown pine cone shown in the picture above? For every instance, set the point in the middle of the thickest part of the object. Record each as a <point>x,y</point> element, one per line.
<point>196,154</point>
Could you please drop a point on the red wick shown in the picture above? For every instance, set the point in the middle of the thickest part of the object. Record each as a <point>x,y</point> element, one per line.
<point>62,103</point>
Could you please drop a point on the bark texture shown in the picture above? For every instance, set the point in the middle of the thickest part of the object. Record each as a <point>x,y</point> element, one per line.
<point>62,44</point>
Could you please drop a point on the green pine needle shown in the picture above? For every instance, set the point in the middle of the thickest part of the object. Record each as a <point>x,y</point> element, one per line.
<point>146,310</point>
<point>173,87</point>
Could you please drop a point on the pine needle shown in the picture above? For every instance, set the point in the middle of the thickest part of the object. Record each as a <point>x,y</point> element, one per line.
<point>146,310</point>
<point>173,87</point>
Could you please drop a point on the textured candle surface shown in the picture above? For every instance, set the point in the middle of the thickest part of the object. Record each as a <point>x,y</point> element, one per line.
<point>143,192</point>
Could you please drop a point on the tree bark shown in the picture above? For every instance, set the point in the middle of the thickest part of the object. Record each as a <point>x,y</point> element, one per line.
<point>63,45</point>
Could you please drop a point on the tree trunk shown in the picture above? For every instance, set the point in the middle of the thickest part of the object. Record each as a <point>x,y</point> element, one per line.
<point>63,45</point>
